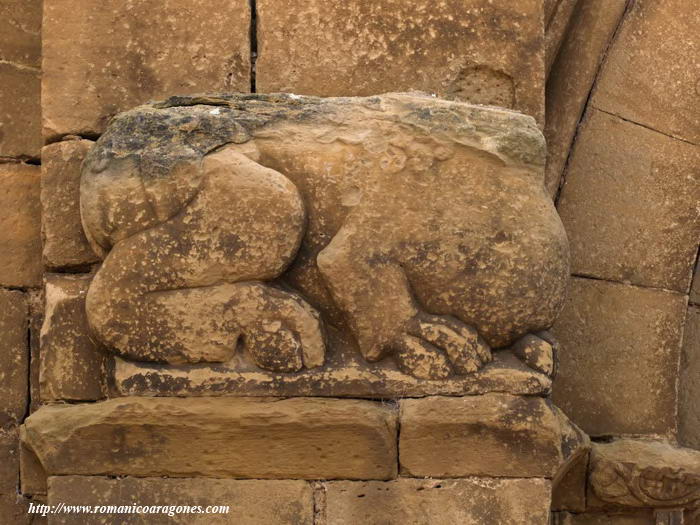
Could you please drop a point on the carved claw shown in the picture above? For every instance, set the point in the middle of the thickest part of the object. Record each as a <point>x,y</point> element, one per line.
<point>435,346</point>
<point>538,352</point>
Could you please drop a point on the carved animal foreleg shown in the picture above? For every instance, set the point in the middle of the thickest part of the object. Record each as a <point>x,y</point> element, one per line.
<point>186,290</point>
<point>373,291</point>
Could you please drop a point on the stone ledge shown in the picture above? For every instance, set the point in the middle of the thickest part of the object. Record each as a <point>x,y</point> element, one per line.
<point>302,438</point>
<point>491,435</point>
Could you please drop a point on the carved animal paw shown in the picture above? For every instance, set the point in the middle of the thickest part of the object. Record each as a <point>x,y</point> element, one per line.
<point>538,351</point>
<point>285,334</point>
<point>435,347</point>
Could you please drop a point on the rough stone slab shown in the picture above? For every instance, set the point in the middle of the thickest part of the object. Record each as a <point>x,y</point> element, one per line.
<point>491,435</point>
<point>571,78</point>
<point>651,73</point>
<point>13,509</point>
<point>644,517</point>
<point>33,479</point>
<point>298,438</point>
<point>20,111</point>
<point>250,502</point>
<point>569,493</point>
<point>648,183</point>
<point>14,356</point>
<point>639,473</point>
<point>9,460</point>
<point>20,32</point>
<point>20,224</point>
<point>482,51</point>
<point>65,244</point>
<point>472,501</point>
<point>346,375</point>
<point>172,47</point>
<point>689,392</point>
<point>72,366</point>
<point>618,373</point>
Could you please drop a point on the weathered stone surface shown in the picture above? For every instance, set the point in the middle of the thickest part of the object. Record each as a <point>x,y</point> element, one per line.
<point>473,501</point>
<point>243,438</point>
<point>20,32</point>
<point>35,298</point>
<point>103,56</point>
<point>491,435</point>
<point>13,509</point>
<point>345,374</point>
<point>72,366</point>
<point>487,52</point>
<point>569,492</point>
<point>464,254</point>
<point>644,517</point>
<point>14,356</point>
<point>64,243</point>
<point>556,25</point>
<point>651,73</point>
<point>689,391</point>
<point>249,502</point>
<point>9,460</point>
<point>20,224</point>
<point>571,78</point>
<point>33,479</point>
<point>650,185</point>
<point>695,288</point>
<point>618,372</point>
<point>637,473</point>
<point>20,56</point>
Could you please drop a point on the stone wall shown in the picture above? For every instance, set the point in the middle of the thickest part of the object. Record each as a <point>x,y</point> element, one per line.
<point>612,83</point>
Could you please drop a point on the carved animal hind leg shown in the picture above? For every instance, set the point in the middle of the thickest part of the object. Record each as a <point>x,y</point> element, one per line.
<point>373,291</point>
<point>187,289</point>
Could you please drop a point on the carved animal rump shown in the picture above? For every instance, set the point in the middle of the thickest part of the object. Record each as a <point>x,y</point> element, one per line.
<point>418,226</point>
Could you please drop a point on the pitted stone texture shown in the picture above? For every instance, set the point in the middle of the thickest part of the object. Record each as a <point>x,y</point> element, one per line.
<point>102,57</point>
<point>14,356</point>
<point>689,403</point>
<point>64,243</point>
<point>9,460</point>
<point>650,185</point>
<point>644,517</point>
<point>618,373</point>
<point>651,75</point>
<point>639,473</point>
<point>571,78</point>
<point>472,501</point>
<point>20,60</point>
<point>374,210</point>
<point>481,51</point>
<point>20,225</point>
<point>72,366</point>
<point>243,438</point>
<point>250,502</point>
<point>491,435</point>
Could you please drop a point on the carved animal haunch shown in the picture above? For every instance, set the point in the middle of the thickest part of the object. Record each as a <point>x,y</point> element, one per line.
<point>419,226</point>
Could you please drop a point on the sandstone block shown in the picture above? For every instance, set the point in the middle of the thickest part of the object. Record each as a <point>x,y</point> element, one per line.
<point>249,502</point>
<point>651,73</point>
<point>689,392</point>
<point>33,479</point>
<point>556,25</point>
<point>14,356</point>
<point>480,51</point>
<point>13,509</point>
<point>20,111</point>
<point>102,57</point>
<point>9,460</point>
<point>569,492</point>
<point>72,366</point>
<point>649,184</point>
<point>490,435</point>
<point>618,373</point>
<point>695,288</point>
<point>644,517</point>
<point>20,32</point>
<point>571,78</point>
<point>20,224</point>
<point>472,501</point>
<point>639,473</point>
<point>64,243</point>
<point>304,438</point>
